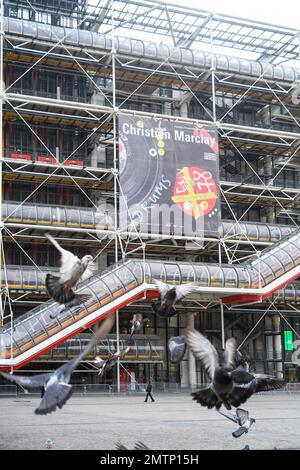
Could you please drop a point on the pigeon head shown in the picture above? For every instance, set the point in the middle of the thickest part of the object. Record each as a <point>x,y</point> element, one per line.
<point>86,260</point>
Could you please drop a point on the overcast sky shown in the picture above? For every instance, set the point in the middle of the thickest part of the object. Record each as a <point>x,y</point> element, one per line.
<point>283,13</point>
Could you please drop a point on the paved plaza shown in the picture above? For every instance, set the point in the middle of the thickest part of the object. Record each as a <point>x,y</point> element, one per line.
<point>173,421</point>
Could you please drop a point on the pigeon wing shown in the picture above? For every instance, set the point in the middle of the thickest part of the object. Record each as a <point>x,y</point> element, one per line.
<point>185,289</point>
<point>243,416</point>
<point>32,382</point>
<point>120,446</point>
<point>141,446</point>
<point>229,353</point>
<point>203,350</point>
<point>241,376</point>
<point>55,396</point>
<point>67,260</point>
<point>265,383</point>
<point>102,331</point>
<point>162,287</point>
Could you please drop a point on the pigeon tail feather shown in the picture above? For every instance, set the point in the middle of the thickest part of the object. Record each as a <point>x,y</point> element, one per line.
<point>207,397</point>
<point>56,290</point>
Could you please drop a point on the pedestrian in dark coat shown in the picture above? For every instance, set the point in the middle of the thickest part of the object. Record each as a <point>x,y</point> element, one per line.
<point>149,394</point>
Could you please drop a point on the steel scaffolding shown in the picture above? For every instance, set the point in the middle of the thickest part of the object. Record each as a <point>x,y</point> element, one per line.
<point>149,59</point>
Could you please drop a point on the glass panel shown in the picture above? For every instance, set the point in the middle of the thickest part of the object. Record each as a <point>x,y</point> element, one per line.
<point>87,218</point>
<point>20,335</point>
<point>187,273</point>
<point>274,264</point>
<point>137,269</point>
<point>44,215</point>
<point>29,279</point>
<point>73,217</point>
<point>14,278</point>
<point>230,277</point>
<point>158,271</point>
<point>284,258</point>
<point>29,214</point>
<point>275,233</point>
<point>264,270</point>
<point>58,216</point>
<point>296,250</point>
<point>252,232</point>
<point>263,233</point>
<point>244,279</point>
<point>216,276</point>
<point>35,329</point>
<point>101,290</point>
<point>14,213</point>
<point>173,273</point>
<point>256,280</point>
<point>290,249</point>
<point>114,284</point>
<point>202,275</point>
<point>126,276</point>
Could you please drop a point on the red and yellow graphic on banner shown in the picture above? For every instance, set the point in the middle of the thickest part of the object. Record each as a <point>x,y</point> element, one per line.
<point>195,191</point>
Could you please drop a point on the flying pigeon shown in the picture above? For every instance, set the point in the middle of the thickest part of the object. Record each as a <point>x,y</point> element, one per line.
<point>138,446</point>
<point>137,323</point>
<point>177,348</point>
<point>106,364</point>
<point>71,271</point>
<point>170,295</point>
<point>230,385</point>
<point>242,419</point>
<point>222,389</point>
<point>56,384</point>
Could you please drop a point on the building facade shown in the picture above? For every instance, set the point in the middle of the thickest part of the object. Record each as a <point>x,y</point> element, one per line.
<point>69,70</point>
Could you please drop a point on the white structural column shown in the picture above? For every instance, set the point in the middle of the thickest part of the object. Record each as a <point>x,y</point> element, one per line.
<point>113,62</point>
<point>191,357</point>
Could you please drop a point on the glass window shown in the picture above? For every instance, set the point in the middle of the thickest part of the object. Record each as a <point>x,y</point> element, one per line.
<point>230,277</point>
<point>275,233</point>
<point>173,273</point>
<point>87,218</point>
<point>216,276</point>
<point>187,273</point>
<point>284,258</point>
<point>244,278</point>
<point>14,213</point>
<point>126,275</point>
<point>202,275</point>
<point>58,215</point>
<point>73,217</point>
<point>137,268</point>
<point>290,249</point>
<point>29,214</point>
<point>114,284</point>
<point>44,215</point>
<point>29,278</point>
<point>252,232</point>
<point>101,290</point>
<point>263,233</point>
<point>274,263</point>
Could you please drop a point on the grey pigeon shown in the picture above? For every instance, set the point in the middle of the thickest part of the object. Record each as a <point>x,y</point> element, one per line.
<point>106,364</point>
<point>177,348</point>
<point>138,446</point>
<point>170,295</point>
<point>56,384</point>
<point>71,271</point>
<point>241,418</point>
<point>230,385</point>
<point>222,389</point>
<point>137,323</point>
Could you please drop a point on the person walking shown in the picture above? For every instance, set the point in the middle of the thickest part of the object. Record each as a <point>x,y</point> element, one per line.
<point>149,394</point>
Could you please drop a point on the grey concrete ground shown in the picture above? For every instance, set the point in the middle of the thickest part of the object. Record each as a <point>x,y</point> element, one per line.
<point>174,421</point>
